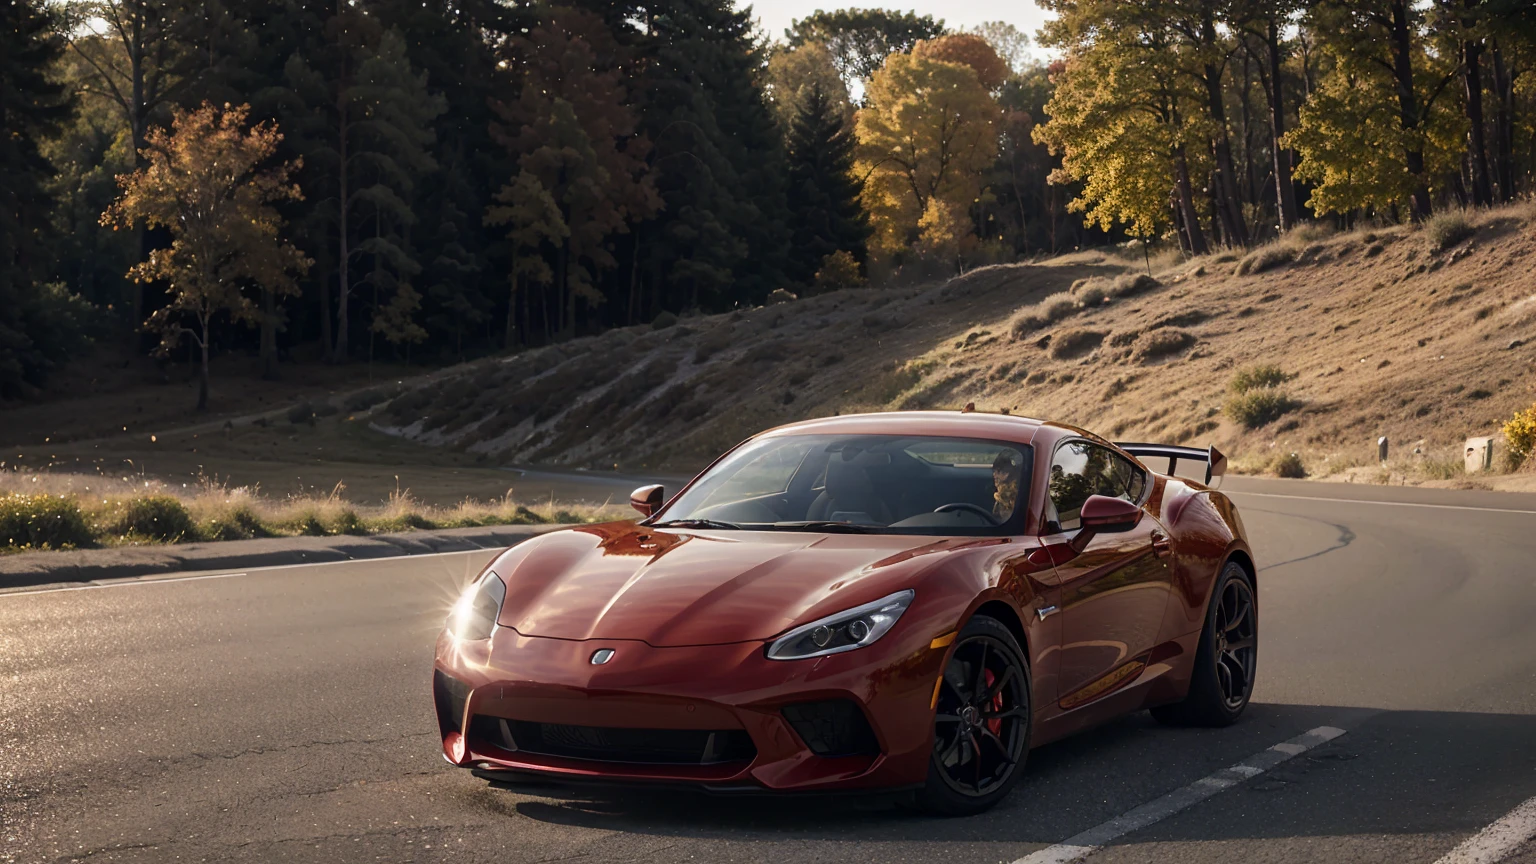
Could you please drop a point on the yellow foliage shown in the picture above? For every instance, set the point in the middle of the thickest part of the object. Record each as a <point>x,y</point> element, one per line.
<point>967,49</point>
<point>928,132</point>
<point>1520,432</point>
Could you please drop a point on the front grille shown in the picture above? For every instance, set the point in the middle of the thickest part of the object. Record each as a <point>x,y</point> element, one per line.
<point>449,695</point>
<point>635,746</point>
<point>836,727</point>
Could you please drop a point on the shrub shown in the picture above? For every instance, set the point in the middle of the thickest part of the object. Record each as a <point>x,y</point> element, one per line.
<point>1057,306</point>
<point>1092,295</point>
<point>838,271</point>
<point>1129,285</point>
<point>1447,229</point>
<point>1288,465</point>
<point>1023,323</point>
<point>1259,407</point>
<point>301,413</point>
<point>41,522</point>
<point>1122,338</point>
<point>1072,343</point>
<point>1259,375</point>
<point>365,399</point>
<point>780,295</point>
<point>1265,258</point>
<point>1520,433</point>
<point>1163,343</point>
<point>149,517</point>
<point>663,321</point>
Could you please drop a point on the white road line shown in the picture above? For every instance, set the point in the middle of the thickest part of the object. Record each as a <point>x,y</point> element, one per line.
<point>1082,845</point>
<point>1494,843</point>
<point>132,580</point>
<point>1382,503</point>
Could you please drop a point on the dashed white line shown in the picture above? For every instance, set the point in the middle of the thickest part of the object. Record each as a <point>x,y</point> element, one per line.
<point>1082,845</point>
<point>1497,841</point>
<point>1382,503</point>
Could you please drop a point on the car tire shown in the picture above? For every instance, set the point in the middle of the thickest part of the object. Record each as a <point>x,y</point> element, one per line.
<point>1222,681</point>
<point>984,650</point>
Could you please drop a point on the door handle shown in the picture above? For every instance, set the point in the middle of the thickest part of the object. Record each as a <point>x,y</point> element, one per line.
<point>1162,547</point>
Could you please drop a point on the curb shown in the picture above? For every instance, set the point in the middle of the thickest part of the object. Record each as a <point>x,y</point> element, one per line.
<point>33,569</point>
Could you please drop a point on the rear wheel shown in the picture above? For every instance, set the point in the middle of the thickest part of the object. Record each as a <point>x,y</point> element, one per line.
<point>1222,682</point>
<point>982,722</point>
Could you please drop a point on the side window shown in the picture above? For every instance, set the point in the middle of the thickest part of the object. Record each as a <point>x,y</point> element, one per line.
<point>1080,469</point>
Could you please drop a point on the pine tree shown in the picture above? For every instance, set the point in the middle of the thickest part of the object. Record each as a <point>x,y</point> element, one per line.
<point>573,132</point>
<point>823,191</point>
<point>39,324</point>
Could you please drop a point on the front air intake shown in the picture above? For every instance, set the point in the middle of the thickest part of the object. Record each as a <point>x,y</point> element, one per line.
<point>835,727</point>
<point>449,695</point>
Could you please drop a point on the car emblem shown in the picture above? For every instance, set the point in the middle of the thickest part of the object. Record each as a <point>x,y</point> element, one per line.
<point>601,656</point>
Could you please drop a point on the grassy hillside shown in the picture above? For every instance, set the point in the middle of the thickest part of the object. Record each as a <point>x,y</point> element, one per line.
<point>1426,335</point>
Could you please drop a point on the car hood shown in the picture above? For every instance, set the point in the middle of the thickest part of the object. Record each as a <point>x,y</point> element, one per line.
<point>679,588</point>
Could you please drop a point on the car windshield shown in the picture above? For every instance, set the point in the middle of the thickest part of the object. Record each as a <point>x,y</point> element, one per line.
<point>887,484</point>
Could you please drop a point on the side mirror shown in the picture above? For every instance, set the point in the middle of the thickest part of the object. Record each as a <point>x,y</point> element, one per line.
<point>647,499</point>
<point>1104,515</point>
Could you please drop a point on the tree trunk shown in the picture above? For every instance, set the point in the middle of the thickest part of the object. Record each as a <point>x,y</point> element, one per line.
<point>342,288</point>
<point>202,379</point>
<point>1472,78</point>
<point>1224,187</point>
<point>268,334</point>
<point>1186,192</point>
<point>1503,127</point>
<point>1408,107</point>
<point>1285,189</point>
<point>509,341</point>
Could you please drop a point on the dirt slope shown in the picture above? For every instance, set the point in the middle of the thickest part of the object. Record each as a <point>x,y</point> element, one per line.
<point>1383,333</point>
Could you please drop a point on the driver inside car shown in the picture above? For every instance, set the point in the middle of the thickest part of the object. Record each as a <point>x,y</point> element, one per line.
<point>1006,469</point>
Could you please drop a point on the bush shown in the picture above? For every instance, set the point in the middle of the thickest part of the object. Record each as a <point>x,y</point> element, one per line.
<point>1072,343</point>
<point>1265,258</point>
<point>365,399</point>
<point>1056,307</point>
<point>663,321</point>
<point>41,522</point>
<point>1130,285</point>
<point>301,413</point>
<point>1023,323</point>
<point>1520,433</point>
<point>1259,407</point>
<point>1289,466</point>
<point>838,271</point>
<point>1260,375</point>
<point>149,517</point>
<point>1163,343</point>
<point>1447,229</point>
<point>1092,295</point>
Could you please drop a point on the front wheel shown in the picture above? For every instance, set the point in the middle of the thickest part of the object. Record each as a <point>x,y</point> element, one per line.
<point>982,722</point>
<point>1222,682</point>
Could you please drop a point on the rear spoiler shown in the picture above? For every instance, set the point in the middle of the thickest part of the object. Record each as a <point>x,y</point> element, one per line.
<point>1215,461</point>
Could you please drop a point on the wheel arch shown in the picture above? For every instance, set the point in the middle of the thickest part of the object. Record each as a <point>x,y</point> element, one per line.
<point>1005,614</point>
<point>1241,557</point>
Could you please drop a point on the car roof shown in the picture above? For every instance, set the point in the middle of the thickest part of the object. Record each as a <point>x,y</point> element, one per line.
<point>953,424</point>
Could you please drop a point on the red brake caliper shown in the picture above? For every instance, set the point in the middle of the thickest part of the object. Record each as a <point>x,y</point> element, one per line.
<point>995,725</point>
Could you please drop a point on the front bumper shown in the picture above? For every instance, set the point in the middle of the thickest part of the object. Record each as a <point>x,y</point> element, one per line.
<point>712,717</point>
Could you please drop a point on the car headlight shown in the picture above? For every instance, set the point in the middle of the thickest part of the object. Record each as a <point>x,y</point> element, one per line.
<point>845,631</point>
<point>474,616</point>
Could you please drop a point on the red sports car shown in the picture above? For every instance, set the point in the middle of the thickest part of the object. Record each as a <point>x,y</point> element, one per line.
<point>887,601</point>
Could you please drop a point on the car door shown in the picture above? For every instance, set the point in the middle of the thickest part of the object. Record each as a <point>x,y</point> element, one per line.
<point>1115,591</point>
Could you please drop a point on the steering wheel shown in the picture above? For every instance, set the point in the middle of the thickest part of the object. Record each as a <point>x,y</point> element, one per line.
<point>964,505</point>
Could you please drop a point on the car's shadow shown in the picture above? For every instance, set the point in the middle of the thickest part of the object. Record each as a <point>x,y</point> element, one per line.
<point>1395,772</point>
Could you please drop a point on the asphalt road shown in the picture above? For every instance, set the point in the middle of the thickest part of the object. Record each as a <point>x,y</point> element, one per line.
<point>284,715</point>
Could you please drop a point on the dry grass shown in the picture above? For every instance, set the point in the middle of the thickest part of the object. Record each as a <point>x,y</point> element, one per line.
<point>1266,258</point>
<point>56,511</point>
<point>1162,343</point>
<point>1446,229</point>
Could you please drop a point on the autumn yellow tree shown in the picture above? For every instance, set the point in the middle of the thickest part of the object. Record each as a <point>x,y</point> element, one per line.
<point>928,132</point>
<point>203,181</point>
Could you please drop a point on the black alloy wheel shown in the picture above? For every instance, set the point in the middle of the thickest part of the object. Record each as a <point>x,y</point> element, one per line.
<point>981,722</point>
<point>1221,682</point>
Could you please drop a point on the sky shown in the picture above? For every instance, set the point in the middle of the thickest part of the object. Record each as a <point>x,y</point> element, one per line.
<point>775,15</point>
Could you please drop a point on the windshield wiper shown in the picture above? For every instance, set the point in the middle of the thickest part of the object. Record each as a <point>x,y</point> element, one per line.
<point>696,523</point>
<point>827,526</point>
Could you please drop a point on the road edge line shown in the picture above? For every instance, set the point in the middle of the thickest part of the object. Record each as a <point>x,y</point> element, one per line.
<point>1498,840</point>
<point>1080,846</point>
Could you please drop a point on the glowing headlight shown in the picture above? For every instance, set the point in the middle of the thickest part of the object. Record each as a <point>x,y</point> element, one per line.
<point>474,616</point>
<point>845,631</point>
